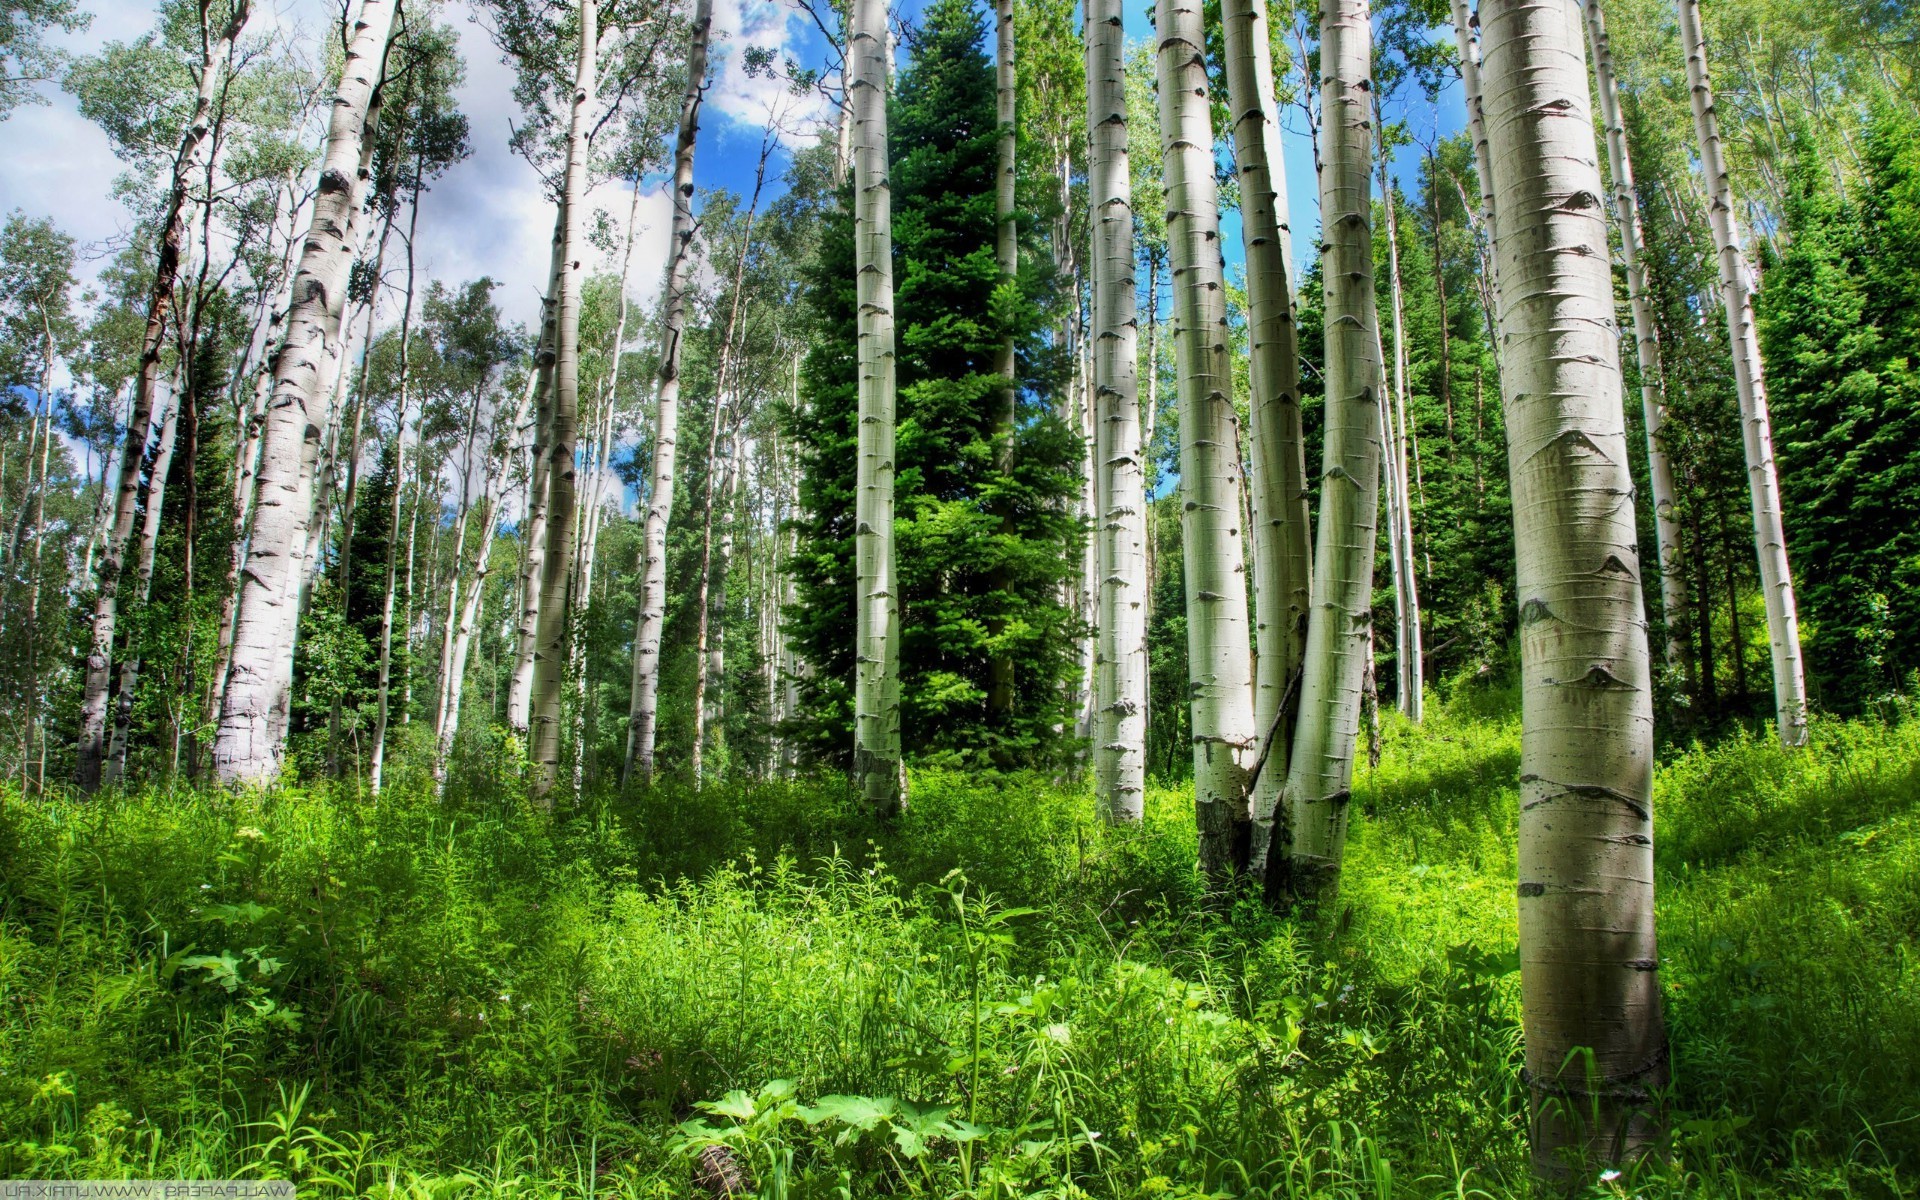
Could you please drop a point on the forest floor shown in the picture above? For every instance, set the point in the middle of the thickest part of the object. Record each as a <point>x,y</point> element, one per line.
<point>994,997</point>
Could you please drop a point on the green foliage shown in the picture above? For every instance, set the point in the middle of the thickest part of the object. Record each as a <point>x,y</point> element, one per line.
<point>998,996</point>
<point>982,548</point>
<point>1838,328</point>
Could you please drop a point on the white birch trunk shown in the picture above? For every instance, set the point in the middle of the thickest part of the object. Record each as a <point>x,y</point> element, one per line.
<point>550,634</point>
<point>194,142</point>
<point>644,706</point>
<point>1749,380</point>
<point>1646,340</point>
<point>1590,996</point>
<point>1120,746</point>
<point>1340,630</point>
<point>249,744</point>
<point>1219,650</point>
<point>879,769</point>
<point>1282,558</point>
<point>116,768</point>
<point>533,521</point>
<point>1409,669</point>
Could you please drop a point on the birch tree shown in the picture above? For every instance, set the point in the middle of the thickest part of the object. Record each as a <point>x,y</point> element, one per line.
<point>1282,559</point>
<point>1646,341</point>
<point>217,40</point>
<point>1120,754</point>
<point>879,770</point>
<point>644,705</point>
<point>1590,997</point>
<point>1749,380</point>
<point>248,745</point>
<point>1218,647</point>
<point>550,637</point>
<point>1340,629</point>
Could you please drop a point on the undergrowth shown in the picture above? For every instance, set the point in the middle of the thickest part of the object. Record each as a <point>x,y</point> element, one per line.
<point>996,996</point>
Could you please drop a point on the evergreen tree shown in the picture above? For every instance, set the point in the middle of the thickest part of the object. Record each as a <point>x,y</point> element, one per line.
<point>983,549</point>
<point>1839,332</point>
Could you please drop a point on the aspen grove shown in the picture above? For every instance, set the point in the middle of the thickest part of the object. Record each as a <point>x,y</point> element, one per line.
<point>988,598</point>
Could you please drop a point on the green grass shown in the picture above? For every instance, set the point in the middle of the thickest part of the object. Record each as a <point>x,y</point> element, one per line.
<point>996,997</point>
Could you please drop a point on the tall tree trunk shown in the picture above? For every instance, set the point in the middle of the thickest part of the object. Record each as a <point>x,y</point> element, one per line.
<point>1465,25</point>
<point>1410,676</point>
<point>253,713</point>
<point>878,766</point>
<point>160,302</point>
<point>1749,380</point>
<point>459,644</point>
<point>1282,558</point>
<point>1000,671</point>
<point>644,706</point>
<point>533,521</point>
<point>1120,757</point>
<point>1646,339</point>
<point>1006,243</point>
<point>550,635</point>
<point>1219,653</point>
<point>1590,998</point>
<point>1340,631</point>
<point>155,499</point>
<point>396,497</point>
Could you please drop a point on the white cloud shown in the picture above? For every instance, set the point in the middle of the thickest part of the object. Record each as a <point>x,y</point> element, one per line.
<point>748,101</point>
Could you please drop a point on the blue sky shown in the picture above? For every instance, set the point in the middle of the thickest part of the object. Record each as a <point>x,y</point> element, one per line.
<point>488,214</point>
<point>727,149</point>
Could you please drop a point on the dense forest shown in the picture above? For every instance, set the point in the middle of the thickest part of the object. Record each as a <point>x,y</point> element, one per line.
<point>1015,599</point>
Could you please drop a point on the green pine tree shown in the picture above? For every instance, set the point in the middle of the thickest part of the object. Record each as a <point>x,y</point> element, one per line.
<point>982,551</point>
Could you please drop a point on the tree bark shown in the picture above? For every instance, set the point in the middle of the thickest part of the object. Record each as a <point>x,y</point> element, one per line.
<point>643,714</point>
<point>1120,757</point>
<point>1282,558</point>
<point>160,303</point>
<point>1749,379</point>
<point>1220,656</point>
<point>1590,998</point>
<point>396,499</point>
<point>550,634</point>
<point>156,492</point>
<point>1409,672</point>
<point>533,524</point>
<point>1465,26</point>
<point>259,685</point>
<point>1646,340</point>
<point>877,763</point>
<point>1340,630</point>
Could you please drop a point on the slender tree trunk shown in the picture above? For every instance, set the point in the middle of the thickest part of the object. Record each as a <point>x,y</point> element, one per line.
<point>533,522</point>
<point>1590,998</point>
<point>253,714</point>
<point>1465,25</point>
<point>1282,558</point>
<point>459,645</point>
<point>160,300</point>
<point>643,714</point>
<point>550,634</point>
<point>154,501</point>
<point>1749,379</point>
<point>1007,234</point>
<point>1340,631</point>
<point>1646,338</point>
<point>1220,656</point>
<point>377,760</point>
<point>1000,671</point>
<point>879,769</point>
<point>1120,758</point>
<point>1410,676</point>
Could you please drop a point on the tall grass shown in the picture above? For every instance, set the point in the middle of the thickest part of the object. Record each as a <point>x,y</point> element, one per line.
<point>996,996</point>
